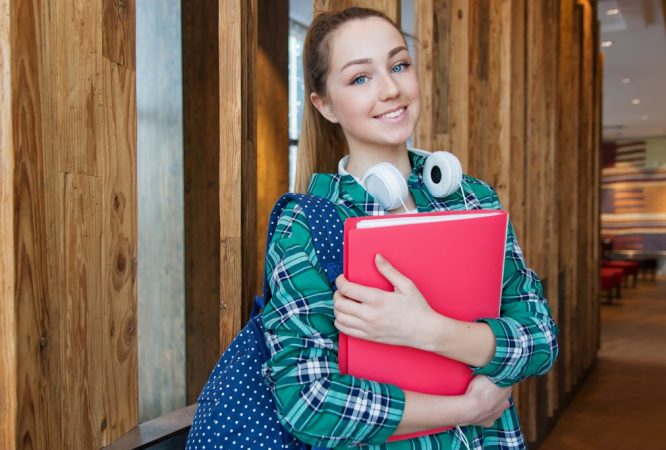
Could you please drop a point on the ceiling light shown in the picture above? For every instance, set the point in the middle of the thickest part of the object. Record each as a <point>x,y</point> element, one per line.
<point>606,43</point>
<point>636,101</point>
<point>626,80</point>
<point>613,12</point>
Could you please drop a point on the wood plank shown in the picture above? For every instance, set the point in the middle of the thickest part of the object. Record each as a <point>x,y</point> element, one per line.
<point>201,145</point>
<point>8,337</point>
<point>433,27</point>
<point>117,139</point>
<point>515,200</point>
<point>541,230</point>
<point>119,33</point>
<point>587,169</point>
<point>237,209</point>
<point>272,117</point>
<point>81,402</point>
<point>389,7</point>
<point>459,64</point>
<point>569,56</point>
<point>37,335</point>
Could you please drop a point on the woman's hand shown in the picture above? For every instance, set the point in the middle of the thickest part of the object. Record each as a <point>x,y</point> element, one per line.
<point>488,401</point>
<point>380,316</point>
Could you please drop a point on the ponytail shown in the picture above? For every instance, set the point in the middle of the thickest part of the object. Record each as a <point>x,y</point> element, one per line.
<point>322,143</point>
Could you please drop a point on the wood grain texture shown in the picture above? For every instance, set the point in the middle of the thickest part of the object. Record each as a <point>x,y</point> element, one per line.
<point>569,56</point>
<point>433,47</point>
<point>74,135</point>
<point>119,34</point>
<point>459,81</point>
<point>272,117</point>
<point>237,46</point>
<point>541,242</point>
<point>201,145</point>
<point>389,7</point>
<point>8,361</point>
<point>586,238</point>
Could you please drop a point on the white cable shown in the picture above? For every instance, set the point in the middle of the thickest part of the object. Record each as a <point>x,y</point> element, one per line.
<point>462,438</point>
<point>463,196</point>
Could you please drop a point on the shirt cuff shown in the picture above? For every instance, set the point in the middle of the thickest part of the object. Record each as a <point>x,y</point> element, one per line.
<point>396,410</point>
<point>507,354</point>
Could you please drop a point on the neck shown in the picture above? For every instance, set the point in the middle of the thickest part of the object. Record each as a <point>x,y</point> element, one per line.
<point>361,158</point>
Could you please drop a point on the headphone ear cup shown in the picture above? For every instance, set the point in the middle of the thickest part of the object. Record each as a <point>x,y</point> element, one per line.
<point>442,173</point>
<point>386,184</point>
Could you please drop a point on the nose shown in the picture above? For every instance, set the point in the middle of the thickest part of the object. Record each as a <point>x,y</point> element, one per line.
<point>389,88</point>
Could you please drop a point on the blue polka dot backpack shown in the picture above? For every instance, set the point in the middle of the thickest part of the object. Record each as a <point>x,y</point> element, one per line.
<point>236,409</point>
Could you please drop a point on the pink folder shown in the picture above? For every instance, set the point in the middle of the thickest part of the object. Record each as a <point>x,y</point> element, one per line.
<point>456,259</point>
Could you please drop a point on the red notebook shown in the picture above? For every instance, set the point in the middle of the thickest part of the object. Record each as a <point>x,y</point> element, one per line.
<point>456,259</point>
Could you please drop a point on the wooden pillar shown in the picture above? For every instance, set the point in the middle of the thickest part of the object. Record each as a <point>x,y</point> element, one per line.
<point>201,143</point>
<point>237,206</point>
<point>272,117</point>
<point>69,153</point>
<point>8,273</point>
<point>433,29</point>
<point>470,57</point>
<point>569,192</point>
<point>389,7</point>
<point>541,241</point>
<point>587,302</point>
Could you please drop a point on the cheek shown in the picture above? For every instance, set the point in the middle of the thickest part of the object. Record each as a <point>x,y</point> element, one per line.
<point>355,104</point>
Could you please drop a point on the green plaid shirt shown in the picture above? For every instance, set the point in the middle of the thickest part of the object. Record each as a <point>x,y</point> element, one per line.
<point>326,409</point>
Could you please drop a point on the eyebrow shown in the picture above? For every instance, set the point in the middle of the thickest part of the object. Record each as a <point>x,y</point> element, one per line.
<point>368,60</point>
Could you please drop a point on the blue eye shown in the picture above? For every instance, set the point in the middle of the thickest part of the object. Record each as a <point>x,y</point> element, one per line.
<point>399,67</point>
<point>360,80</point>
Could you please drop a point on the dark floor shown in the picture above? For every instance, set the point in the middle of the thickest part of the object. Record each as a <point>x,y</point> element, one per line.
<point>622,404</point>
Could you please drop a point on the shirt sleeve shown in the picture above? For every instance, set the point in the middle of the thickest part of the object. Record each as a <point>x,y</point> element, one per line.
<point>314,401</point>
<point>526,335</point>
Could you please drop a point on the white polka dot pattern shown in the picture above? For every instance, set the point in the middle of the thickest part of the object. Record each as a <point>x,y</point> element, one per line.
<point>236,410</point>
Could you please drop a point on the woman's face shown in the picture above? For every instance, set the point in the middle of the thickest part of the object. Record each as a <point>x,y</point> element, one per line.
<point>372,88</point>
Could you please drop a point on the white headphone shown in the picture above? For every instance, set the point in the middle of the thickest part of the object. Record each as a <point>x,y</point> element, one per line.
<point>442,175</point>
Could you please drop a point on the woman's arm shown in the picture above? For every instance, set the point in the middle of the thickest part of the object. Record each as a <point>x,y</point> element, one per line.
<point>482,404</point>
<point>314,401</point>
<point>522,342</point>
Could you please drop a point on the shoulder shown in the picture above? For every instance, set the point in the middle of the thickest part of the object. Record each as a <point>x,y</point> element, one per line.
<point>483,191</point>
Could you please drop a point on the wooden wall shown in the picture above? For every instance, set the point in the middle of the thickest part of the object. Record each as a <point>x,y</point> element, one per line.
<point>201,145</point>
<point>237,208</point>
<point>8,319</point>
<point>511,87</point>
<point>272,116</point>
<point>69,129</point>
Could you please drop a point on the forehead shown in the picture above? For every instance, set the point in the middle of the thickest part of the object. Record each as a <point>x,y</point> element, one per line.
<point>372,38</point>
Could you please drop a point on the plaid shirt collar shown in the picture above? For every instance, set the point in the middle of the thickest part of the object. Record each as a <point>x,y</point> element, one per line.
<point>345,190</point>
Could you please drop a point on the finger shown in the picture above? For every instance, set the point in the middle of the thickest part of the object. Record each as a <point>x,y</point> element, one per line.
<point>343,305</point>
<point>340,280</point>
<point>350,331</point>
<point>350,322</point>
<point>397,279</point>
<point>359,292</point>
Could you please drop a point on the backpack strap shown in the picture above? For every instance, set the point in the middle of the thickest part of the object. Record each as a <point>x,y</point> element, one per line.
<point>326,227</point>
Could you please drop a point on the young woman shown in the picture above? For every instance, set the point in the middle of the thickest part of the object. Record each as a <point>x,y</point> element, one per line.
<point>364,101</point>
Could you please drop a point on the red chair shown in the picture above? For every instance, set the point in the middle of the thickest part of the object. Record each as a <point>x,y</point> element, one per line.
<point>630,268</point>
<point>611,279</point>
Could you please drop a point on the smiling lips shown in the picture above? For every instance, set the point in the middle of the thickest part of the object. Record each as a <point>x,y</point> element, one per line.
<point>393,114</point>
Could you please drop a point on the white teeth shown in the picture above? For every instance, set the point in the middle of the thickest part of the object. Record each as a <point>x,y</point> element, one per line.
<point>393,114</point>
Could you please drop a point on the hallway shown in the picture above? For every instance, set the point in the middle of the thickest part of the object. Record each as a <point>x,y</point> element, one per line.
<point>622,405</point>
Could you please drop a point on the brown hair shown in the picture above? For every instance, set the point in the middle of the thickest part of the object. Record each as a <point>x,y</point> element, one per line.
<point>322,143</point>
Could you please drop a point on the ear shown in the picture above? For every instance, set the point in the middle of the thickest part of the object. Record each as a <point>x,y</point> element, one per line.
<point>324,107</point>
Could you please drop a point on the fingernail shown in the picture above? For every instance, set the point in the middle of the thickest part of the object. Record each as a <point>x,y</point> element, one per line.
<point>379,258</point>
